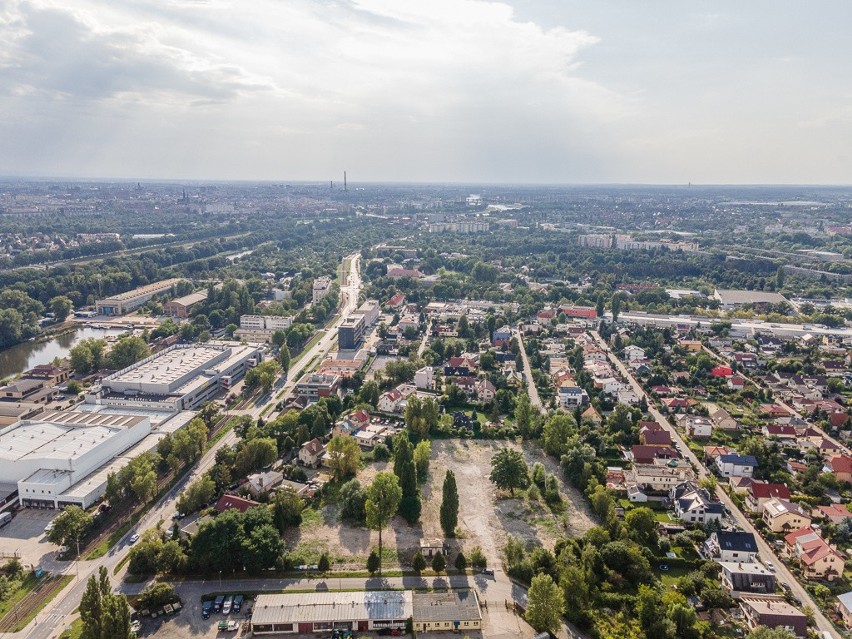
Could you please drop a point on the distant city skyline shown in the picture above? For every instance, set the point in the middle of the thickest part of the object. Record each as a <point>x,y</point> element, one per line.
<point>457,91</point>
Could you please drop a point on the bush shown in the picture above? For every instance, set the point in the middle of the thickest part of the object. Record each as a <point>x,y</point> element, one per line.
<point>324,564</point>
<point>157,595</point>
<point>381,452</point>
<point>461,562</point>
<point>419,562</point>
<point>439,563</point>
<point>477,558</point>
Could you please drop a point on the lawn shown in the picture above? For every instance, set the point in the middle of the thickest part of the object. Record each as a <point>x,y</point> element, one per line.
<point>75,632</point>
<point>30,608</point>
<point>25,586</point>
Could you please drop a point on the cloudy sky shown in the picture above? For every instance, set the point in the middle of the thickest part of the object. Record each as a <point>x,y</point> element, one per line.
<point>557,91</point>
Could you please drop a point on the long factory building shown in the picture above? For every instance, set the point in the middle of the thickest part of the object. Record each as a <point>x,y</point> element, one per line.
<point>180,377</point>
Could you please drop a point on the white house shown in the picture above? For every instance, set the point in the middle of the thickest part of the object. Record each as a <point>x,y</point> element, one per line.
<point>633,353</point>
<point>572,396</point>
<point>693,504</point>
<point>425,378</point>
<point>733,465</point>
<point>390,401</point>
<point>731,545</point>
<point>310,452</point>
<point>628,396</point>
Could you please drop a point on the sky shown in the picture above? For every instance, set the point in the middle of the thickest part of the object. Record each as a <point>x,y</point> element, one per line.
<point>521,91</point>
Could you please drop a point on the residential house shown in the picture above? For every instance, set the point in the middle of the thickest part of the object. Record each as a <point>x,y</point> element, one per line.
<point>712,452</point>
<point>735,465</point>
<point>773,612</point>
<point>818,559</point>
<point>592,416</point>
<point>747,577</point>
<point>835,513</point>
<point>501,336</point>
<point>696,426</point>
<point>690,345</point>
<point>460,367</point>
<point>628,396</point>
<point>634,353</point>
<point>841,466</point>
<point>661,476</point>
<point>310,452</point>
<point>780,515</point>
<point>777,431</point>
<point>693,505</point>
<point>761,492</point>
<point>390,401</point>
<point>234,502</point>
<point>735,382</point>
<point>844,608</point>
<point>264,482</point>
<point>731,545</point>
<point>722,371</point>
<point>647,454</point>
<point>485,391</point>
<point>571,396</point>
<point>656,438</point>
<point>425,378</point>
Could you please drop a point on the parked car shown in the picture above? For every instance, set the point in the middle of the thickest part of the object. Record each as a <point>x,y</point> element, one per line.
<point>226,605</point>
<point>217,603</point>
<point>206,608</point>
<point>488,571</point>
<point>238,603</point>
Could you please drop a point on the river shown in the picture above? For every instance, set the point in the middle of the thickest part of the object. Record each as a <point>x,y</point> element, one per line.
<point>24,356</point>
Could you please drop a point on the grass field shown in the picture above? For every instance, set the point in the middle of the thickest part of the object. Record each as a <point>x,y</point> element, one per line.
<point>29,599</point>
<point>76,631</point>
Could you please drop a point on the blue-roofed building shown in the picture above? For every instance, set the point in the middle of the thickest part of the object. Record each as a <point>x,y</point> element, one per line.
<point>734,465</point>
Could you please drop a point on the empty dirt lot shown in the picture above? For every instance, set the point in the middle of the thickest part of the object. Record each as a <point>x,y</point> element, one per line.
<point>486,517</point>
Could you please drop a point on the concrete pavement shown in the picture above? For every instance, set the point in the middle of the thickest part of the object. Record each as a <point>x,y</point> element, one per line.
<point>766,552</point>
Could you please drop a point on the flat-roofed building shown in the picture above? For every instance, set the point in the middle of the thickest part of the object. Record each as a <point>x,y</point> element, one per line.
<point>456,610</point>
<point>259,328</point>
<point>131,300</point>
<point>370,310</point>
<point>180,377</point>
<point>350,333</point>
<point>313,386</point>
<point>321,288</point>
<point>730,298</point>
<point>48,455</point>
<point>180,307</point>
<point>307,613</point>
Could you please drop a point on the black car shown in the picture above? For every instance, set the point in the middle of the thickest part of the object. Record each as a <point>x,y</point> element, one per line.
<point>238,603</point>
<point>206,607</point>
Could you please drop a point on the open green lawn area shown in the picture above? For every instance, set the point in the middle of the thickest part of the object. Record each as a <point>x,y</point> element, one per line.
<point>663,516</point>
<point>669,577</point>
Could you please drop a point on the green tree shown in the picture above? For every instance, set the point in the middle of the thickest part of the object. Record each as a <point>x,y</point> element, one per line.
<point>615,306</point>
<point>383,497</point>
<point>523,415</point>
<point>369,393</point>
<point>556,433</point>
<point>284,358</point>
<point>278,337</point>
<point>374,564</point>
<point>422,454</point>
<point>404,469</point>
<point>286,509</point>
<point>352,502</point>
<point>461,562</point>
<point>61,307</point>
<point>196,495</point>
<point>261,547</point>
<point>439,562</point>
<point>262,376</point>
<point>545,604</point>
<point>419,562</point>
<point>642,525</point>
<point>450,505</point>
<point>69,526</point>
<point>509,470</point>
<point>87,356</point>
<point>324,564</point>
<point>104,615</point>
<point>128,350</point>
<point>344,456</point>
<point>256,453</point>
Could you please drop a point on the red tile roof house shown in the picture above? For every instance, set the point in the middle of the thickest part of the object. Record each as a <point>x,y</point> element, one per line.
<point>736,382</point>
<point>722,371</point>
<point>841,466</point>
<point>647,454</point>
<point>835,513</point>
<point>656,438</point>
<point>310,452</point>
<point>761,492</point>
<point>839,420</point>
<point>229,502</point>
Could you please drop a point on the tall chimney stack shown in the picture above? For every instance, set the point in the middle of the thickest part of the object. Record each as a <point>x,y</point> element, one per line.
<point>344,181</point>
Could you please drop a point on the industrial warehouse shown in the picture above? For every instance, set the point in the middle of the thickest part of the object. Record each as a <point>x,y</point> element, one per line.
<point>181,377</point>
<point>305,613</point>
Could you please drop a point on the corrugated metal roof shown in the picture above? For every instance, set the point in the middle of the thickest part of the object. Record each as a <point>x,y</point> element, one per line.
<point>315,607</point>
<point>455,605</point>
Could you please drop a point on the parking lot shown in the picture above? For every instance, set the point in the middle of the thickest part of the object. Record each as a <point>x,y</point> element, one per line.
<point>25,537</point>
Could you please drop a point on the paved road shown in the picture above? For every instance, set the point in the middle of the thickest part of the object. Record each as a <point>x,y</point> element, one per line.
<point>50,622</point>
<point>766,551</point>
<point>531,389</point>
